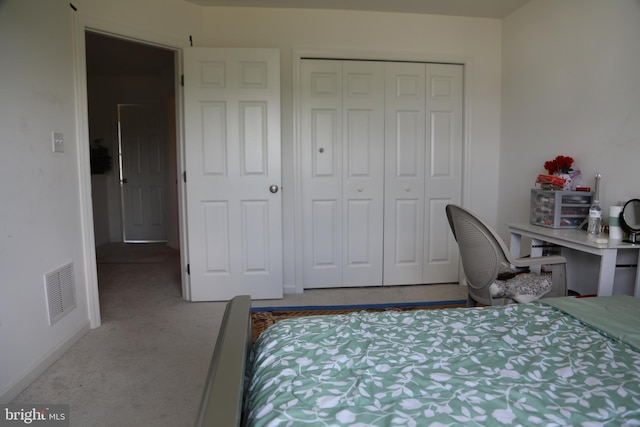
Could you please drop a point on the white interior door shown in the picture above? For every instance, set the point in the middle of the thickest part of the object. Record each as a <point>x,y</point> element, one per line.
<point>342,140</point>
<point>232,157</point>
<point>143,146</point>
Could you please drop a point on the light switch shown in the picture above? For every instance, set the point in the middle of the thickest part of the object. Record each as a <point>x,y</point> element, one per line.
<point>58,142</point>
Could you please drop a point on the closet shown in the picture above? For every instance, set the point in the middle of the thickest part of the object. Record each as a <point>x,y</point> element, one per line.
<point>381,157</point>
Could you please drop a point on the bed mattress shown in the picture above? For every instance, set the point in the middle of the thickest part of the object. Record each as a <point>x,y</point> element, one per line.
<point>527,364</point>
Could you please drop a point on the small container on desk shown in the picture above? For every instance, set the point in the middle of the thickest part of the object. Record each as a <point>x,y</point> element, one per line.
<point>559,209</point>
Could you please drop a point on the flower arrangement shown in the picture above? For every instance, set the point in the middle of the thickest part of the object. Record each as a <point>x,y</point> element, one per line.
<point>561,164</point>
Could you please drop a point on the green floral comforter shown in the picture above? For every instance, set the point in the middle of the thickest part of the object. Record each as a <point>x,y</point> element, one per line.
<point>527,364</point>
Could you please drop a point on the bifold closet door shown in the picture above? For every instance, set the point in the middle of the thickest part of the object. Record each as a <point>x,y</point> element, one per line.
<point>342,167</point>
<point>423,171</point>
<point>381,157</point>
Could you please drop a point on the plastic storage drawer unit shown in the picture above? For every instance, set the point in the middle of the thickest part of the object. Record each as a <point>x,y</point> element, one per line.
<point>559,209</point>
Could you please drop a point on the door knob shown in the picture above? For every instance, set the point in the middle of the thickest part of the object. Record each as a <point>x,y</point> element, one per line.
<point>273,188</point>
<point>125,180</point>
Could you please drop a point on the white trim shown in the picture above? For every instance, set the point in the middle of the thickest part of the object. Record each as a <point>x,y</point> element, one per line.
<point>299,53</point>
<point>115,29</point>
<point>182,185</point>
<point>84,179</point>
<point>81,24</point>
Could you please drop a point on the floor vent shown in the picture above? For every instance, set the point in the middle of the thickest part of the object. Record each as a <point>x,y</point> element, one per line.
<point>61,294</point>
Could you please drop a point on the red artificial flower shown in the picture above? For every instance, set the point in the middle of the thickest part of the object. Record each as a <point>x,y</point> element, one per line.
<point>559,164</point>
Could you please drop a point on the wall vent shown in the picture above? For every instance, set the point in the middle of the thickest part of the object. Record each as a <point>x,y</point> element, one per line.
<point>61,293</point>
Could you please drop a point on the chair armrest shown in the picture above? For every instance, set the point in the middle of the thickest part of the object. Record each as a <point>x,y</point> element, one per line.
<point>528,262</point>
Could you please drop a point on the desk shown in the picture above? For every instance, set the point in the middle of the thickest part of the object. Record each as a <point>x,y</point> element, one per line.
<point>578,240</point>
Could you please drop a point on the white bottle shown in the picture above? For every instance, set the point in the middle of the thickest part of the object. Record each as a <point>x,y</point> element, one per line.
<point>595,212</point>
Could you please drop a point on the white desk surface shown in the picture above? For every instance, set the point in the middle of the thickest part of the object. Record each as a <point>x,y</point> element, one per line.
<point>581,241</point>
<point>570,237</point>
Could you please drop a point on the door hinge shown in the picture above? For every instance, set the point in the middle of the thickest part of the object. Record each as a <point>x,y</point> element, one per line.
<point>189,269</point>
<point>182,80</point>
<point>184,176</point>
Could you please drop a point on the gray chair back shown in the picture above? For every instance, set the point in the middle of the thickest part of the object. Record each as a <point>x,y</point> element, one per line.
<point>481,252</point>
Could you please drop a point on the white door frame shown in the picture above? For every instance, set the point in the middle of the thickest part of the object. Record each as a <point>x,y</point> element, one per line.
<point>305,53</point>
<point>81,24</point>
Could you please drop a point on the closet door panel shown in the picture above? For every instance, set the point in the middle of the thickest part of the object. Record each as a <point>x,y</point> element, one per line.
<point>438,247</point>
<point>360,215</point>
<point>325,144</point>
<point>321,173</point>
<point>363,180</point>
<point>408,145</point>
<point>326,249</point>
<point>443,175</point>
<point>404,173</point>
<point>407,243</point>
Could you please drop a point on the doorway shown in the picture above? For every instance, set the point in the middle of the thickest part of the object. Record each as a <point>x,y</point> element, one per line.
<point>124,72</point>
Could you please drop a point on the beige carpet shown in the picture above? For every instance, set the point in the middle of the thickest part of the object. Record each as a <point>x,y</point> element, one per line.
<point>146,364</point>
<point>121,253</point>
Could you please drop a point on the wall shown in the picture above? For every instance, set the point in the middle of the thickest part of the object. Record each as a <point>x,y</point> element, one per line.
<point>375,35</point>
<point>476,41</point>
<point>571,86</point>
<point>40,192</point>
<point>39,189</point>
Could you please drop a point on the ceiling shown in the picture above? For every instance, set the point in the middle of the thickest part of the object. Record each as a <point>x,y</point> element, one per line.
<point>473,8</point>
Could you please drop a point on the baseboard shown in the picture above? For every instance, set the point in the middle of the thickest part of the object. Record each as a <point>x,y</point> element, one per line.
<point>13,390</point>
<point>290,289</point>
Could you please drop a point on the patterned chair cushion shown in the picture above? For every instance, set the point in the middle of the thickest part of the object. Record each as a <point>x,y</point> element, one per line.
<point>523,288</point>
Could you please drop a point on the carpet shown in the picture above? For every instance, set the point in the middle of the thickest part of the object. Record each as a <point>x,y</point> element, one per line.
<point>135,253</point>
<point>263,317</point>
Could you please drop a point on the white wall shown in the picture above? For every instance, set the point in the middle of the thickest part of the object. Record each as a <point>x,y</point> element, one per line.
<point>40,202</point>
<point>374,35</point>
<point>39,190</point>
<point>475,41</point>
<point>571,86</point>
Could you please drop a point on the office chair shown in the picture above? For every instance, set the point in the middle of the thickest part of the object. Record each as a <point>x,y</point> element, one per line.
<point>491,272</point>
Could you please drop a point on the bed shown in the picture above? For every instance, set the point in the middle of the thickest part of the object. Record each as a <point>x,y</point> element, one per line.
<point>559,361</point>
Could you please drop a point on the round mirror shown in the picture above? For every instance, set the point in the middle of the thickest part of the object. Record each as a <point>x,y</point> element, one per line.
<point>630,220</point>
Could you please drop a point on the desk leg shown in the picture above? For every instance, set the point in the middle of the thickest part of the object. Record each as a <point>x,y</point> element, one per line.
<point>607,272</point>
<point>536,252</point>
<point>514,246</point>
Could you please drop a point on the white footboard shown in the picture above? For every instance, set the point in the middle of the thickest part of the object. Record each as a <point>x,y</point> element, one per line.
<point>221,403</point>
